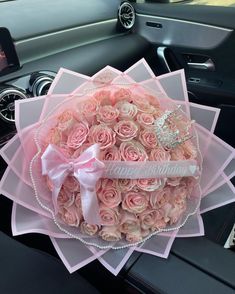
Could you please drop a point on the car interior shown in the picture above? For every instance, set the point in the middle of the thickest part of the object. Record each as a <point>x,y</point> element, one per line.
<point>37,38</point>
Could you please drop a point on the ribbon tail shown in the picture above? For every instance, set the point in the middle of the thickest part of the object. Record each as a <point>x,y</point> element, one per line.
<point>55,193</point>
<point>90,206</point>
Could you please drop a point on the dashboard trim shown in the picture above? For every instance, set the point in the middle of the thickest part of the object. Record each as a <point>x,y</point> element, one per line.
<point>44,45</point>
<point>181,33</point>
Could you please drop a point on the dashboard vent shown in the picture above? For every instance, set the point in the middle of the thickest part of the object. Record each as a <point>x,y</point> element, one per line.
<point>40,83</point>
<point>8,96</point>
<point>126,15</point>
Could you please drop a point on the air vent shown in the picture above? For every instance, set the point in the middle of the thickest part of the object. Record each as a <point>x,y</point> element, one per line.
<point>40,83</point>
<point>8,96</point>
<point>126,15</point>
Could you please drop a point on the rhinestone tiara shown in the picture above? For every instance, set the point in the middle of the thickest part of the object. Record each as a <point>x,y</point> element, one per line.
<point>167,131</point>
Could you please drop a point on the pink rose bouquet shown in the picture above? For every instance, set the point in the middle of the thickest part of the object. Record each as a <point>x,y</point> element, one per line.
<point>114,164</point>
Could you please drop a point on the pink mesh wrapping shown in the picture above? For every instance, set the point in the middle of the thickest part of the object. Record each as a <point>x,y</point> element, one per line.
<point>27,112</point>
<point>225,194</point>
<point>74,254</point>
<point>140,71</point>
<point>15,189</point>
<point>28,216</point>
<point>193,227</point>
<point>174,85</point>
<point>26,221</point>
<point>66,81</point>
<point>10,148</point>
<point>159,245</point>
<point>226,176</point>
<point>230,168</point>
<point>116,259</point>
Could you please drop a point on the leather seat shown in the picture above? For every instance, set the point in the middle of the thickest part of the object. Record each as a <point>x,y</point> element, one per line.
<point>26,271</point>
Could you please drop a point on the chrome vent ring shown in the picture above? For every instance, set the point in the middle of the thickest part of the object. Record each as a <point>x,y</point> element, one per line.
<point>40,84</point>
<point>126,15</point>
<point>8,96</point>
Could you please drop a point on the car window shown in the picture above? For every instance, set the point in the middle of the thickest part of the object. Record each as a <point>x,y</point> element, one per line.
<point>213,2</point>
<point>195,2</point>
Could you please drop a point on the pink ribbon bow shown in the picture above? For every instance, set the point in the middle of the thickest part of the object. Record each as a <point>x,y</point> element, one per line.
<point>87,169</point>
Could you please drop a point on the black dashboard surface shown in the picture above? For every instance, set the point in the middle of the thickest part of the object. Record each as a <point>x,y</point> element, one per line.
<point>30,18</point>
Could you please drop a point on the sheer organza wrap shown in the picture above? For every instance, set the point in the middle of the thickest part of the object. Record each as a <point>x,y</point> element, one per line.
<point>33,119</point>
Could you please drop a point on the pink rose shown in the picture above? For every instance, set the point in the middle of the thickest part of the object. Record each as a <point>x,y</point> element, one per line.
<point>108,114</point>
<point>176,213</point>
<point>149,184</point>
<point>67,152</point>
<point>173,181</point>
<point>179,201</point>
<point>189,183</point>
<point>181,191</point>
<point>103,97</point>
<point>145,119</point>
<point>54,136</point>
<point>126,130</point>
<point>122,95</point>
<point>110,196</point>
<point>65,198</point>
<point>177,153</point>
<point>66,120</point>
<point>166,208</point>
<point>126,110</point>
<point>172,212</point>
<point>183,124</point>
<point>88,107</point>
<point>109,216</point>
<point>159,225</point>
<point>78,202</point>
<point>148,138</point>
<point>71,215</point>
<point>135,202</point>
<point>78,135</point>
<point>129,222</point>
<point>88,229</point>
<point>141,103</point>
<point>153,100</point>
<point>80,150</point>
<point>190,151</point>
<point>105,76</point>
<point>134,237</point>
<point>160,198</point>
<point>110,234</point>
<point>133,151</point>
<point>126,184</point>
<point>71,184</point>
<point>149,217</point>
<point>111,153</point>
<point>145,233</point>
<point>158,113</point>
<point>102,135</point>
<point>65,116</point>
<point>159,154</point>
<point>179,196</point>
<point>108,182</point>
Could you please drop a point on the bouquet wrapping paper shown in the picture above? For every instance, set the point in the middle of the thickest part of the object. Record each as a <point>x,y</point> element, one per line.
<point>113,163</point>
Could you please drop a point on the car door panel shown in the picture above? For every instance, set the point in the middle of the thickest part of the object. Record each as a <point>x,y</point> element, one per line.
<point>201,40</point>
<point>195,39</point>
